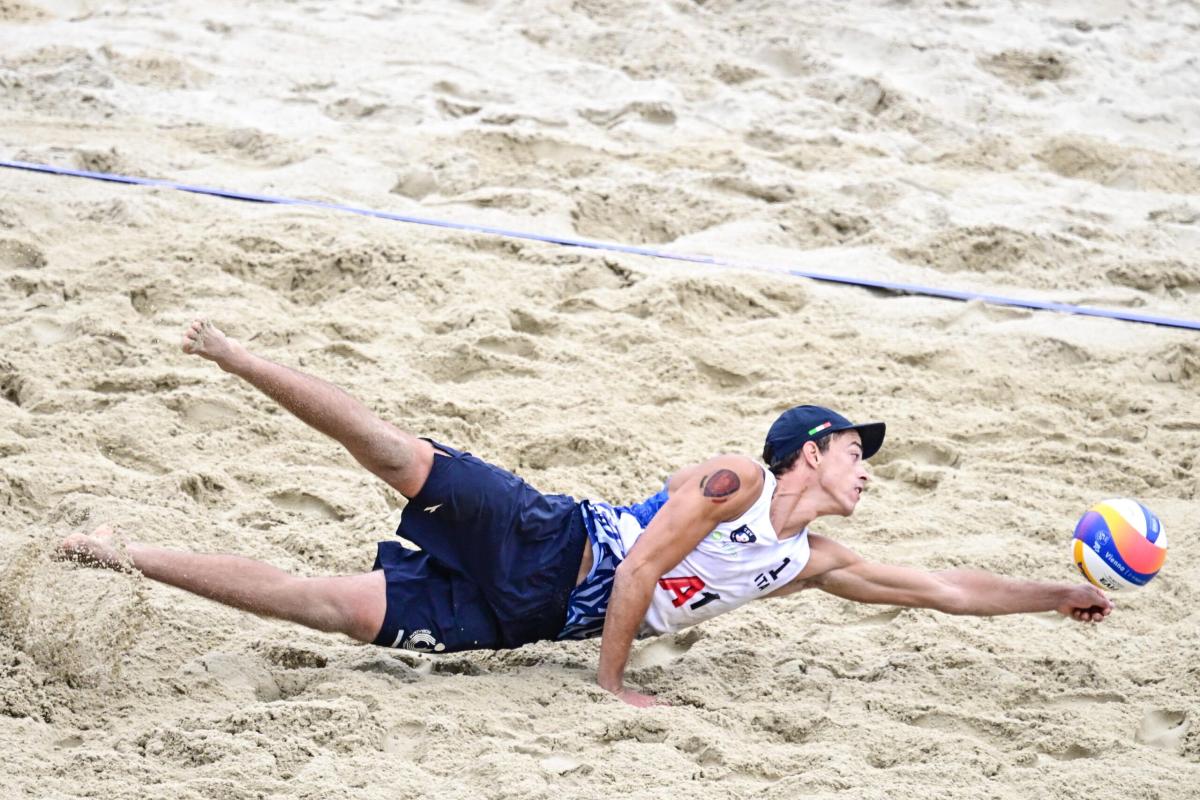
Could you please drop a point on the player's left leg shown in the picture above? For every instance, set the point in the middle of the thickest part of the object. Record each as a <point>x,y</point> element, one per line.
<point>396,456</point>
<point>353,605</point>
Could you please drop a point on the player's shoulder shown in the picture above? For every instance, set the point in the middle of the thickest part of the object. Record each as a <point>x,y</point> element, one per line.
<point>734,462</point>
<point>828,555</point>
<point>722,476</point>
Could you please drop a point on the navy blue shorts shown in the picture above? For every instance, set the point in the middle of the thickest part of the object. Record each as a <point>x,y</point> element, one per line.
<point>498,560</point>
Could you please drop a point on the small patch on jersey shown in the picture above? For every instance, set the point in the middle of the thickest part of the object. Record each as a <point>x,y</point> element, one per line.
<point>743,535</point>
<point>720,485</point>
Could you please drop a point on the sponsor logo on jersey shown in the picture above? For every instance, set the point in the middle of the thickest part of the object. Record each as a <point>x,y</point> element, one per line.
<point>743,535</point>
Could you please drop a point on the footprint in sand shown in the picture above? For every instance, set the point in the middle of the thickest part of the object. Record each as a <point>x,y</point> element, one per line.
<point>148,300</point>
<point>404,740</point>
<point>304,503</point>
<point>665,649</point>
<point>239,675</point>
<point>48,332</point>
<point>206,414</point>
<point>562,765</point>
<point>1129,168</point>
<point>1072,753</point>
<point>1163,728</point>
<point>466,362</point>
<point>351,108</point>
<point>519,346</point>
<point>960,725</point>
<point>924,463</point>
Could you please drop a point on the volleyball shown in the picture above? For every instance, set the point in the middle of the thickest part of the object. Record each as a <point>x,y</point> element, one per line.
<point>1119,544</point>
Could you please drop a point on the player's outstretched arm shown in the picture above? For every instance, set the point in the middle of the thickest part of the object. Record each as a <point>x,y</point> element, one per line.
<point>954,591</point>
<point>716,491</point>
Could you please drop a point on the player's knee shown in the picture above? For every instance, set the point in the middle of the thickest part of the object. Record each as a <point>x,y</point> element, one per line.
<point>403,462</point>
<point>357,605</point>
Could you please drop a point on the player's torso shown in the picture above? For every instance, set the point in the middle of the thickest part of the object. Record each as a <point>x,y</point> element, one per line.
<point>739,561</point>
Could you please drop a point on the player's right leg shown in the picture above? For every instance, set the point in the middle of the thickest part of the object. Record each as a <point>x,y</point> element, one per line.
<point>353,604</point>
<point>400,459</point>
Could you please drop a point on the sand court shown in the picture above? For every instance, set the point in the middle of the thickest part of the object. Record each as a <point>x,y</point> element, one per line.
<point>1041,152</point>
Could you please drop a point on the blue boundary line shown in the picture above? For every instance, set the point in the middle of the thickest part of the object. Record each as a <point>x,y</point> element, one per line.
<point>901,288</point>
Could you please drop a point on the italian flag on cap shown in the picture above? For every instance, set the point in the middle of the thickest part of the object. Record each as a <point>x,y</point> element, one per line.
<point>821,427</point>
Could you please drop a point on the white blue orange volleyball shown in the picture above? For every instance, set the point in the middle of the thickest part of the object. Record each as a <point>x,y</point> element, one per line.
<point>1119,544</point>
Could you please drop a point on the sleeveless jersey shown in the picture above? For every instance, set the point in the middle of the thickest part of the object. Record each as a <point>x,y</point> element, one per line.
<point>737,562</point>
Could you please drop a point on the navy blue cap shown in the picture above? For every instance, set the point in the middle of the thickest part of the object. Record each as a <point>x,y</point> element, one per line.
<point>809,423</point>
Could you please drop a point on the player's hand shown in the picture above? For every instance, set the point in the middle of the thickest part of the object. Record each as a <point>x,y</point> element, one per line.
<point>1085,603</point>
<point>637,699</point>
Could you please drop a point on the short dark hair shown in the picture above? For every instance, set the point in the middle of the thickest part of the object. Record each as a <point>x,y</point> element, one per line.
<point>781,467</point>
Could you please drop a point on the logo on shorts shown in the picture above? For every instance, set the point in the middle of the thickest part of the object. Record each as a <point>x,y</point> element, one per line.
<point>420,640</point>
<point>743,535</point>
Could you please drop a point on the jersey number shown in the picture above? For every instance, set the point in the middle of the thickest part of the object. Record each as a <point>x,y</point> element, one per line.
<point>760,580</point>
<point>685,589</point>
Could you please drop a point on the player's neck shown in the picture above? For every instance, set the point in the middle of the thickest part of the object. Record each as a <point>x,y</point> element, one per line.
<point>795,503</point>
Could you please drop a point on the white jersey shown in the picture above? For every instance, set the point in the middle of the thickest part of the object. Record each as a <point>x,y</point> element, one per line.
<point>740,561</point>
<point>737,562</point>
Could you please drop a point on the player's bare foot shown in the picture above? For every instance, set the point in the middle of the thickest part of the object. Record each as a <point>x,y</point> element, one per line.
<point>97,549</point>
<point>204,339</point>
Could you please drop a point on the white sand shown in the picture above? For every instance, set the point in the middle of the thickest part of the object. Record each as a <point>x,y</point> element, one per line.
<point>1043,150</point>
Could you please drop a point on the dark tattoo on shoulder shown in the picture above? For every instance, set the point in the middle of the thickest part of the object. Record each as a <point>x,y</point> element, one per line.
<point>718,486</point>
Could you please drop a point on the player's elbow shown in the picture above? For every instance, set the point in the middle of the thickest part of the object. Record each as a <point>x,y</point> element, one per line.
<point>635,571</point>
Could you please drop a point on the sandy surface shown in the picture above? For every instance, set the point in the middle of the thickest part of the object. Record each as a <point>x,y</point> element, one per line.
<point>1046,150</point>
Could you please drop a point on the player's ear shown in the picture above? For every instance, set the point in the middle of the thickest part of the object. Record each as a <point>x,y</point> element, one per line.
<point>812,454</point>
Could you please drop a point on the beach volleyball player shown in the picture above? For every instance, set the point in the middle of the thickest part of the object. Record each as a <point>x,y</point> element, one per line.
<point>501,564</point>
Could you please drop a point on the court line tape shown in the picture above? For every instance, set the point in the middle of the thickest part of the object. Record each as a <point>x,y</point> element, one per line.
<point>887,286</point>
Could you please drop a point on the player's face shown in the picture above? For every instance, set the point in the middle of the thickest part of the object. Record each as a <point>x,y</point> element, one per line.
<point>844,473</point>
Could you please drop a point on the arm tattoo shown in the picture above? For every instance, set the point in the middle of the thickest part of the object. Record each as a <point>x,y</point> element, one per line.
<point>720,485</point>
